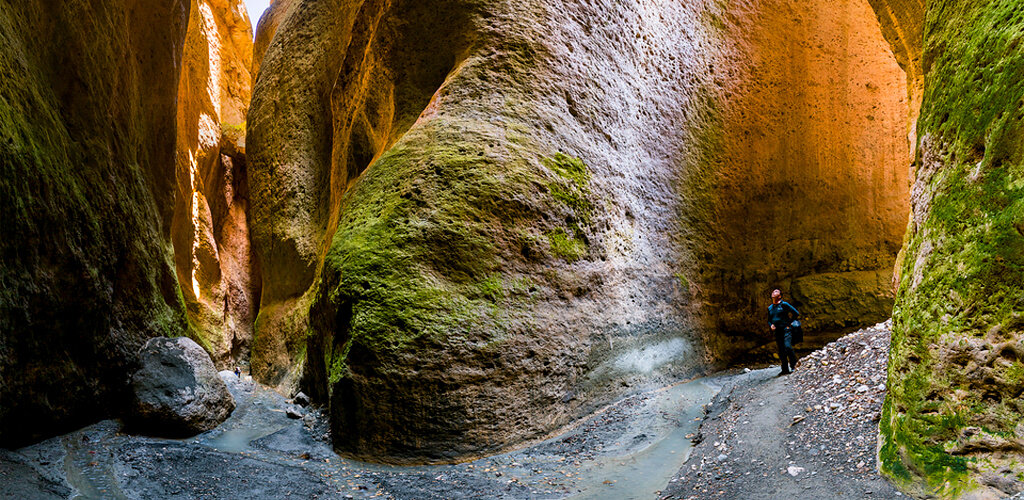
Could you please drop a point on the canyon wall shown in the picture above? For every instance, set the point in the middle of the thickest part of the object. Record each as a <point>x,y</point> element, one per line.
<point>478,220</point>
<point>265,29</point>
<point>464,211</point>
<point>87,127</point>
<point>807,172</point>
<point>951,427</point>
<point>220,283</point>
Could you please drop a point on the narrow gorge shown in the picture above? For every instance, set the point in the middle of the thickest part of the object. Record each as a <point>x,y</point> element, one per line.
<point>463,227</point>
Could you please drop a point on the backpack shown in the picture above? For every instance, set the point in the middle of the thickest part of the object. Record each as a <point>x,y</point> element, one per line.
<point>797,332</point>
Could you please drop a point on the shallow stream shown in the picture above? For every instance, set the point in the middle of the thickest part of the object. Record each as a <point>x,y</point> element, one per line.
<point>628,450</point>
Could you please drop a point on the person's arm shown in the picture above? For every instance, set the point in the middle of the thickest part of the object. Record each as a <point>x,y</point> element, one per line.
<point>796,314</point>
<point>770,324</point>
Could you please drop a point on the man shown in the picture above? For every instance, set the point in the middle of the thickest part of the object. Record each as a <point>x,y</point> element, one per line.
<point>780,316</point>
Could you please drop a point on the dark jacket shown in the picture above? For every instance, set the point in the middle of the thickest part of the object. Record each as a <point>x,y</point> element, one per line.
<point>782,315</point>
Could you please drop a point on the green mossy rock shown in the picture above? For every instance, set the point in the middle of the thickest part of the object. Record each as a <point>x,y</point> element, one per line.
<point>951,424</point>
<point>87,106</point>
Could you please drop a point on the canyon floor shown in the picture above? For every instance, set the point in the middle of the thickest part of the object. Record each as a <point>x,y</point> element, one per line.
<point>747,446</point>
<point>811,434</point>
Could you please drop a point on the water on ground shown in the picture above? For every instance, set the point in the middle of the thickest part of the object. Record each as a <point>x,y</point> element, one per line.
<point>628,450</point>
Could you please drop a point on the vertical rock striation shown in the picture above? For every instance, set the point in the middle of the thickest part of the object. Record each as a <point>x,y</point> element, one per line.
<point>477,220</point>
<point>87,127</point>
<point>950,427</point>
<point>220,282</point>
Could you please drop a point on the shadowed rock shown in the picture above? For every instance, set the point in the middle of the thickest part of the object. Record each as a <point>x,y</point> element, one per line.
<point>87,128</point>
<point>177,390</point>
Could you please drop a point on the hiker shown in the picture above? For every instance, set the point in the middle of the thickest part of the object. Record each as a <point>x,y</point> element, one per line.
<point>780,316</point>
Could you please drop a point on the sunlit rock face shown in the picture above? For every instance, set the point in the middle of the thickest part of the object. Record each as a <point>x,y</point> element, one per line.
<point>265,29</point>
<point>477,220</point>
<point>951,425</point>
<point>219,281</point>
<point>805,177</point>
<point>87,114</point>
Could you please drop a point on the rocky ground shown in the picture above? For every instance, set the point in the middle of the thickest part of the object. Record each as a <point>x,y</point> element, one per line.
<point>811,434</point>
<point>628,450</point>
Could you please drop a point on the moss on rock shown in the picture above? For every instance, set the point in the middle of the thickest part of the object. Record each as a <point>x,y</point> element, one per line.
<point>957,319</point>
<point>86,190</point>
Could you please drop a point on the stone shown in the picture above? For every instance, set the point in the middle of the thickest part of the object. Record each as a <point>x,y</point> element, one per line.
<point>301,399</point>
<point>293,411</point>
<point>177,392</point>
<point>794,470</point>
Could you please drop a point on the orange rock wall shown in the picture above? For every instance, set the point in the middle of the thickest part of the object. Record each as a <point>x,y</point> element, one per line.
<point>810,172</point>
<point>211,237</point>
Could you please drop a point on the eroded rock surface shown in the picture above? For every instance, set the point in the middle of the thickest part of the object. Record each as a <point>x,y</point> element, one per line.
<point>951,424</point>
<point>177,389</point>
<point>265,29</point>
<point>219,280</point>
<point>87,108</point>
<point>477,220</point>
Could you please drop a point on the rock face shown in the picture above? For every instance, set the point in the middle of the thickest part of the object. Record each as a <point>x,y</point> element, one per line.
<point>220,283</point>
<point>87,113</point>
<point>802,182</point>
<point>177,389</point>
<point>477,220</point>
<point>951,424</point>
<point>265,29</point>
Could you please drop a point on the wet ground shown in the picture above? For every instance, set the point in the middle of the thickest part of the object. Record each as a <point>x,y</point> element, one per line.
<point>629,450</point>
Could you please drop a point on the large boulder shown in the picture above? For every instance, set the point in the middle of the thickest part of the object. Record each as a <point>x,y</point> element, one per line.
<point>177,390</point>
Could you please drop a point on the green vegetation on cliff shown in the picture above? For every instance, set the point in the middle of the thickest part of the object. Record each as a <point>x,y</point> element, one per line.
<point>421,252</point>
<point>86,190</point>
<point>962,284</point>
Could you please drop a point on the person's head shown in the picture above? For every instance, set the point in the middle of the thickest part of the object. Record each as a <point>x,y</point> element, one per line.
<point>776,296</point>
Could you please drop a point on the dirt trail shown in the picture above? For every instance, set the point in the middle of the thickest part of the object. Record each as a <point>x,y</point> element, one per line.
<point>808,435</point>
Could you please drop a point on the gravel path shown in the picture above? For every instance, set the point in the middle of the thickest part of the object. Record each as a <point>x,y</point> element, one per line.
<point>808,435</point>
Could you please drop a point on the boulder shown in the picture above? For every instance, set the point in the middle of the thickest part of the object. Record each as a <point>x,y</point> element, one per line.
<point>177,390</point>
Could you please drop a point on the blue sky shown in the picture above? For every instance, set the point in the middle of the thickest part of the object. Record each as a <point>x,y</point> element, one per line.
<point>256,8</point>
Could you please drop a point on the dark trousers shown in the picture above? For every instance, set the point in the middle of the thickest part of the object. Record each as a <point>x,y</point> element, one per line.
<point>784,341</point>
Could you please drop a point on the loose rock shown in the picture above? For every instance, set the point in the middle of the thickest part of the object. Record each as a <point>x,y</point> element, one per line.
<point>177,390</point>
